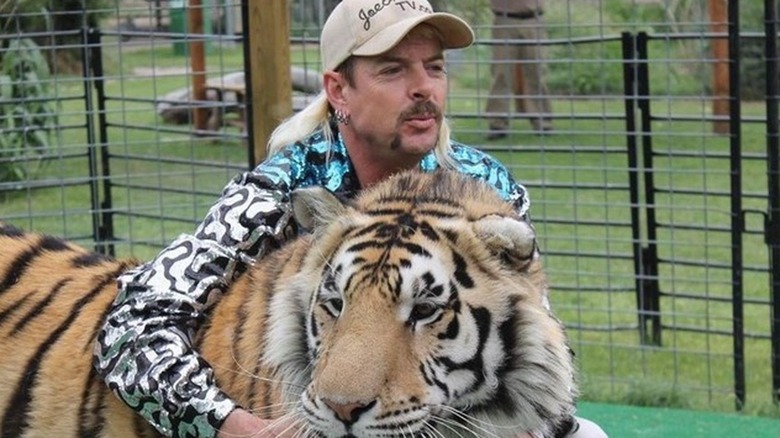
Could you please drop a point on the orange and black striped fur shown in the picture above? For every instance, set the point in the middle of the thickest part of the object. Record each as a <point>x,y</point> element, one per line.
<point>417,310</point>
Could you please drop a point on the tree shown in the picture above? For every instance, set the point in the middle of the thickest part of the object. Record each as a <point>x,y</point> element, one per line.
<point>55,22</point>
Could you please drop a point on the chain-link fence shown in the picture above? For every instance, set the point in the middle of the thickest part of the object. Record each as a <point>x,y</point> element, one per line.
<point>645,130</point>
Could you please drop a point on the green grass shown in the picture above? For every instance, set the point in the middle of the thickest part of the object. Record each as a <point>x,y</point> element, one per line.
<point>570,189</point>
<point>579,207</point>
<point>620,421</point>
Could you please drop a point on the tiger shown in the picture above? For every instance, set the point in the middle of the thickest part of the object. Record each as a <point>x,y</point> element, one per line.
<point>417,309</point>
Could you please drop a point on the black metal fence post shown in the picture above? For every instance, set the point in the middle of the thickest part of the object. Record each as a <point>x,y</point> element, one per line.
<point>636,83</point>
<point>248,106</point>
<point>772,224</point>
<point>92,161</point>
<point>737,225</point>
<point>650,311</point>
<point>628,44</point>
<point>93,56</point>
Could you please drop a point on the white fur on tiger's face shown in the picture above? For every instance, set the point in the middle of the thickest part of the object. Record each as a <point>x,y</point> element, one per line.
<point>417,310</point>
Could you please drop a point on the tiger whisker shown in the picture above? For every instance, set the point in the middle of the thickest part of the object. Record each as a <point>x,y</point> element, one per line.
<point>305,431</point>
<point>411,432</point>
<point>246,373</point>
<point>273,409</point>
<point>453,426</point>
<point>432,430</point>
<point>295,422</point>
<point>517,428</point>
<point>445,423</point>
<point>472,419</point>
<point>476,424</point>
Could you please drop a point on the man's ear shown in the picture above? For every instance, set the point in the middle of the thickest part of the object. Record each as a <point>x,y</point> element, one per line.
<point>333,84</point>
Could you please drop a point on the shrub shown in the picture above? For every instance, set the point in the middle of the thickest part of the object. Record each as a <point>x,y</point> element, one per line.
<point>27,114</point>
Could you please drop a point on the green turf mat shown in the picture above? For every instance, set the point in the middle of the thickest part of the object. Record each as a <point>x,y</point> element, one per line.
<point>621,421</point>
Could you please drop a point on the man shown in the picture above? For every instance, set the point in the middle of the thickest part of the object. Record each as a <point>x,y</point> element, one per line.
<point>518,20</point>
<point>381,112</point>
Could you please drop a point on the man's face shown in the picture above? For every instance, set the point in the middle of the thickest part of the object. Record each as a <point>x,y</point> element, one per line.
<point>397,99</point>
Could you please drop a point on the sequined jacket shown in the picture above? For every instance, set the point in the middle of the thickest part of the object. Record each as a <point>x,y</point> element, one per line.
<point>145,350</point>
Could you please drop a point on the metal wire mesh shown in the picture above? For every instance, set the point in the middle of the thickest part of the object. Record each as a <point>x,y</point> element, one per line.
<point>656,224</point>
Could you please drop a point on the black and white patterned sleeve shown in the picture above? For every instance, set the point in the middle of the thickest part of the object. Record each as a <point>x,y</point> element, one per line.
<point>145,350</point>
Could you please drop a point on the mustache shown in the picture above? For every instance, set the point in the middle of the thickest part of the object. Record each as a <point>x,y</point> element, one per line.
<point>426,108</point>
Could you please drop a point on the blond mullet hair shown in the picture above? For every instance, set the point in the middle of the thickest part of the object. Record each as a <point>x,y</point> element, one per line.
<point>316,116</point>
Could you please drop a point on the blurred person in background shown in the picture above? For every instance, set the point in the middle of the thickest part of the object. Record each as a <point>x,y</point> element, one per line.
<point>518,20</point>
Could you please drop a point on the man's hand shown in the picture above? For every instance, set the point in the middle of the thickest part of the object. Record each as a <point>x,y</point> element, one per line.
<point>241,423</point>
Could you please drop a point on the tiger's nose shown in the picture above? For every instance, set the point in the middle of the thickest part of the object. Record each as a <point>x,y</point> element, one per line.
<point>348,413</point>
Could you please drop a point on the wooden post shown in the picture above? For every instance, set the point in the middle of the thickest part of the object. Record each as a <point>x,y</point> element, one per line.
<point>269,56</point>
<point>197,63</point>
<point>720,68</point>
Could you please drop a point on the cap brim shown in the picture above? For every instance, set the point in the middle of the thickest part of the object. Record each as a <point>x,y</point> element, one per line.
<point>455,33</point>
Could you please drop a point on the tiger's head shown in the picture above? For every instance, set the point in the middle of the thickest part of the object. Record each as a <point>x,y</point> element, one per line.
<point>419,310</point>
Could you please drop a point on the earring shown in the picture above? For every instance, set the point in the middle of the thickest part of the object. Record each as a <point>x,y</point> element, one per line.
<point>341,116</point>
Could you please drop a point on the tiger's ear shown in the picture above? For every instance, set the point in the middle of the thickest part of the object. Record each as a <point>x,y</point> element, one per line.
<point>511,239</point>
<point>315,208</point>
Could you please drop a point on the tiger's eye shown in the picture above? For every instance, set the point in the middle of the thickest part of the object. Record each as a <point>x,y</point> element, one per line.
<point>422,311</point>
<point>334,306</point>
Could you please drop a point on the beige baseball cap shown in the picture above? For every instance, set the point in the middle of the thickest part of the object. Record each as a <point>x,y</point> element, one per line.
<point>372,27</point>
